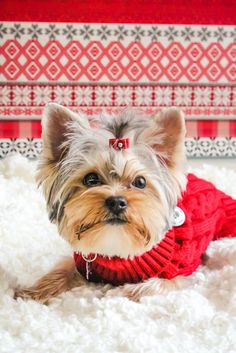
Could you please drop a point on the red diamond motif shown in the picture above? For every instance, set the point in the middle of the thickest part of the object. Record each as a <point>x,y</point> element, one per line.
<point>231,52</point>
<point>154,50</point>
<point>114,72</point>
<point>12,50</point>
<point>32,50</point>
<point>52,71</point>
<point>154,72</point>
<point>214,72</point>
<point>134,72</point>
<point>175,51</point>
<point>231,72</point>
<point>73,49</point>
<point>195,51</point>
<point>53,49</point>
<point>94,71</point>
<point>115,51</point>
<point>33,71</point>
<point>73,71</point>
<point>193,72</point>
<point>12,71</point>
<point>214,52</point>
<point>173,72</point>
<point>95,50</point>
<point>135,51</point>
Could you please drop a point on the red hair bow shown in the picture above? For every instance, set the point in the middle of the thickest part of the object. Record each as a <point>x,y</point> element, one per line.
<point>119,144</point>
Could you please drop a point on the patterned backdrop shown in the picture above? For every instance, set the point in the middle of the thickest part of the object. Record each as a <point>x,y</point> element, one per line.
<point>96,62</point>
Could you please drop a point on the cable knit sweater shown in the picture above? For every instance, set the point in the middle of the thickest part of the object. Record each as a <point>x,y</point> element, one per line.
<point>210,214</point>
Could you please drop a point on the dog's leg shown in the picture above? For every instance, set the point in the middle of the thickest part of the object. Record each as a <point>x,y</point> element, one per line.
<point>149,287</point>
<point>62,278</point>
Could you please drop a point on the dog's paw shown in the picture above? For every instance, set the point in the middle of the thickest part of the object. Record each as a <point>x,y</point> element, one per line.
<point>148,288</point>
<point>21,293</point>
<point>128,291</point>
<point>136,291</point>
<point>31,294</point>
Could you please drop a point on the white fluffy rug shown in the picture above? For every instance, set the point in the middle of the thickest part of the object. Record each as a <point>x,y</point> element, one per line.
<point>199,318</point>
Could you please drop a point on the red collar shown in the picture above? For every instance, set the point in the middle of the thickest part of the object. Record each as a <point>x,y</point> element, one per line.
<point>118,271</point>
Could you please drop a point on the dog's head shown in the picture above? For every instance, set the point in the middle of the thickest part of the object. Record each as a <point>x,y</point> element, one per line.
<point>107,199</point>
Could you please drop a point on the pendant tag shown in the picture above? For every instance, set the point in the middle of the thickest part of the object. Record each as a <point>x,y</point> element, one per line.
<point>88,260</point>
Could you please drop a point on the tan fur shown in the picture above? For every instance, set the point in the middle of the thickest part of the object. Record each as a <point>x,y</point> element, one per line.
<point>84,223</point>
<point>62,278</point>
<point>166,135</point>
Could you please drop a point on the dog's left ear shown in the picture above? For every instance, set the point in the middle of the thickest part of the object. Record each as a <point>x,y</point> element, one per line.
<point>166,135</point>
<point>56,126</point>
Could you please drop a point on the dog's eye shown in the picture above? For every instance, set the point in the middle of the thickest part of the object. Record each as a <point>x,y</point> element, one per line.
<point>92,179</point>
<point>139,182</point>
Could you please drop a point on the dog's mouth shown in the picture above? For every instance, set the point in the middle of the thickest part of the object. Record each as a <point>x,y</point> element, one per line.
<point>113,221</point>
<point>116,221</point>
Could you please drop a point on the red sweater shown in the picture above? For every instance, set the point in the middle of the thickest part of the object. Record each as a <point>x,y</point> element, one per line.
<point>210,214</point>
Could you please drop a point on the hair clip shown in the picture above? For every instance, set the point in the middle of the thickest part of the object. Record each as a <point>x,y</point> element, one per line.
<point>119,144</point>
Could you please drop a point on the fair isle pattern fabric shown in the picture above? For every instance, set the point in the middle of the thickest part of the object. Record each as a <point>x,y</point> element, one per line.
<point>96,68</point>
<point>28,147</point>
<point>195,147</point>
<point>197,101</point>
<point>102,53</point>
<point>123,53</point>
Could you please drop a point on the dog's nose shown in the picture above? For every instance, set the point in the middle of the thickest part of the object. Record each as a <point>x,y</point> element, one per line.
<point>116,204</point>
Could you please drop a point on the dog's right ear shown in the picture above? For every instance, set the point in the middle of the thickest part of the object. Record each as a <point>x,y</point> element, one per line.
<point>57,123</point>
<point>166,135</point>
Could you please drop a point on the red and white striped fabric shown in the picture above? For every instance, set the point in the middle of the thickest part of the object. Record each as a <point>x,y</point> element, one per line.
<point>104,57</point>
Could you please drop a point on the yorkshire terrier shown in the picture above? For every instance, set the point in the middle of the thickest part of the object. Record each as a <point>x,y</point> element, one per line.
<point>112,187</point>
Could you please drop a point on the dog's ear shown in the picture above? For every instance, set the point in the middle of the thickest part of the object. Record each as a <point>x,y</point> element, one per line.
<point>57,123</point>
<point>166,137</point>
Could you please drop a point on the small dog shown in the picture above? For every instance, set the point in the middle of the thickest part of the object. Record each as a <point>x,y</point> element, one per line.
<point>112,187</point>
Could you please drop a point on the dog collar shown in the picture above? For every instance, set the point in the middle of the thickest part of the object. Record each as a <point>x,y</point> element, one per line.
<point>116,270</point>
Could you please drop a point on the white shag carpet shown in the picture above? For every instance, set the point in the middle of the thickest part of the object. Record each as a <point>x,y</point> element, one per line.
<point>199,318</point>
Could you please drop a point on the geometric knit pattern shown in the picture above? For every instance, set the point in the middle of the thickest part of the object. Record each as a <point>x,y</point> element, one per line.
<point>195,147</point>
<point>105,59</point>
